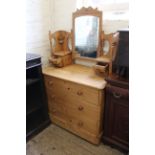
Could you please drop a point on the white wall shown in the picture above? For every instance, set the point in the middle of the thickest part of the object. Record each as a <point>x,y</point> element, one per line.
<point>62,14</point>
<point>63,10</point>
<point>62,18</point>
<point>38,24</point>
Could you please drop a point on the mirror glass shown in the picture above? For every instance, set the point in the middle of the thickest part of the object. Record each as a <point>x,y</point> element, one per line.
<point>106,47</point>
<point>87,35</point>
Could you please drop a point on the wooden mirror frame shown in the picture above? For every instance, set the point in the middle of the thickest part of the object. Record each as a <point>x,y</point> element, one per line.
<point>112,38</point>
<point>84,12</point>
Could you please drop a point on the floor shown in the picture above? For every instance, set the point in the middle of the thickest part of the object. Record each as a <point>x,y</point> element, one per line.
<point>57,141</point>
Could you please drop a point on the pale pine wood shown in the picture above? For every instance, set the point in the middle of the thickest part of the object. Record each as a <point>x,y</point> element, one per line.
<point>95,139</point>
<point>78,74</point>
<point>60,39</point>
<point>77,109</point>
<point>111,38</point>
<point>74,105</point>
<point>101,70</point>
<point>75,90</point>
<point>61,54</point>
<point>61,59</point>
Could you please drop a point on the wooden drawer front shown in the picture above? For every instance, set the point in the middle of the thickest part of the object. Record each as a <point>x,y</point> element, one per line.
<point>58,120</point>
<point>88,115</point>
<point>83,110</point>
<point>65,90</point>
<point>54,96</point>
<point>55,85</point>
<point>56,107</point>
<point>57,112</point>
<point>77,92</point>
<point>85,125</point>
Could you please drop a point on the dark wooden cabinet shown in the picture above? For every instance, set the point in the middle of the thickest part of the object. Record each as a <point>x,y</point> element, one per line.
<point>116,115</point>
<point>36,104</point>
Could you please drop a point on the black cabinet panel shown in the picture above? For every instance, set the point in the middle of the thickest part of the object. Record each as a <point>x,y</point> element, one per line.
<point>36,105</point>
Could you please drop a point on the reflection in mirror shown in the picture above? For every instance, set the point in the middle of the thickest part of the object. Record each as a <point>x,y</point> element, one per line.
<point>87,35</point>
<point>106,47</point>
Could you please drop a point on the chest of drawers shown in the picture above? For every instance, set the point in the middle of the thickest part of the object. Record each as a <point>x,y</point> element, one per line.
<point>75,106</point>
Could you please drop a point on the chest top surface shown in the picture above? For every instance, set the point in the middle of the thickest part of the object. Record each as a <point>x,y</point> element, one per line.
<point>78,74</point>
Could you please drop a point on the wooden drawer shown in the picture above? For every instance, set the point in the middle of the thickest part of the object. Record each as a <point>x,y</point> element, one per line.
<point>55,97</point>
<point>58,120</point>
<point>57,112</point>
<point>88,115</point>
<point>55,107</point>
<point>68,90</point>
<point>55,85</point>
<point>77,92</point>
<point>87,125</point>
<point>83,110</point>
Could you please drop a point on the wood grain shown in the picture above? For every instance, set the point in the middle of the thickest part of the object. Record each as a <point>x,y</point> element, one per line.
<point>78,74</point>
<point>73,105</point>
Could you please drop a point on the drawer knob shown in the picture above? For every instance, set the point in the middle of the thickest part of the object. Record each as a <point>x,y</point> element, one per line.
<point>53,111</point>
<point>117,95</point>
<point>53,96</point>
<point>80,124</point>
<point>80,93</point>
<point>50,83</point>
<point>80,108</point>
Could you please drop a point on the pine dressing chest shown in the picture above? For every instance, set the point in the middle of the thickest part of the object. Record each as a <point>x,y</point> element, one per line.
<point>76,92</point>
<point>75,100</point>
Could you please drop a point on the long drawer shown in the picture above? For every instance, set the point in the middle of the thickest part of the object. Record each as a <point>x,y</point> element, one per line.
<point>65,89</point>
<point>77,127</point>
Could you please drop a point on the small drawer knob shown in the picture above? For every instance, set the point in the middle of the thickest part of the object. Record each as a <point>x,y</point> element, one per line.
<point>80,93</point>
<point>117,95</point>
<point>53,96</point>
<point>80,108</point>
<point>50,83</point>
